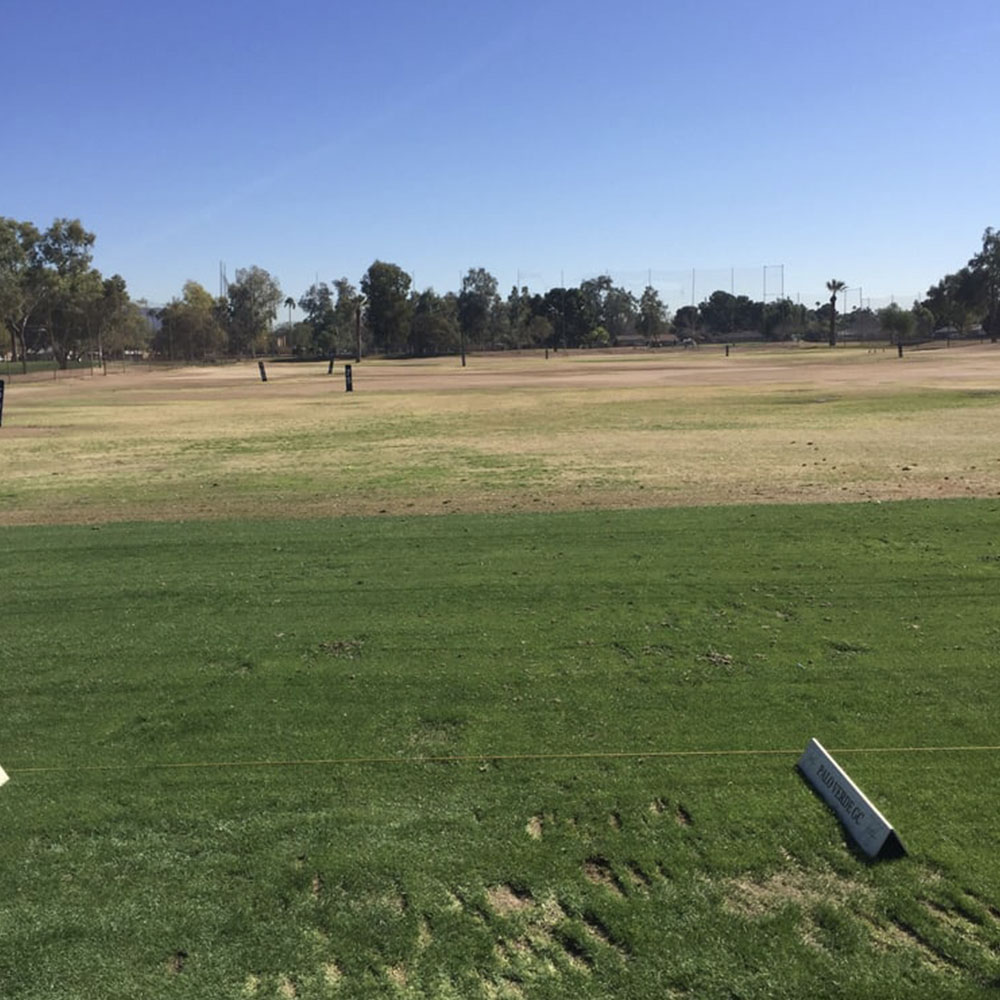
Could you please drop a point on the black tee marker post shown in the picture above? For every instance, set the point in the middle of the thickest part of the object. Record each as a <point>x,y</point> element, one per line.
<point>1,402</point>
<point>348,379</point>
<point>263,371</point>
<point>329,370</point>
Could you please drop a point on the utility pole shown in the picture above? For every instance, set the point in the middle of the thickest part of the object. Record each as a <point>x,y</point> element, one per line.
<point>357,331</point>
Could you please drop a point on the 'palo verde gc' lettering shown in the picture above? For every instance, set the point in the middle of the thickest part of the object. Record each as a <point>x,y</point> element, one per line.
<point>867,826</point>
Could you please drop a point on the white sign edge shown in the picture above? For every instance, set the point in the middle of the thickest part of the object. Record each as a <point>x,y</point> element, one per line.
<point>4,776</point>
<point>873,836</point>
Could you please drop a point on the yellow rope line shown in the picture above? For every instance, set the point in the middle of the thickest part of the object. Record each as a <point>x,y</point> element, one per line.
<point>487,757</point>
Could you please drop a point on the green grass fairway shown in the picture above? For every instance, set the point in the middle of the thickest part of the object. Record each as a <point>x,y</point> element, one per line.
<point>507,756</point>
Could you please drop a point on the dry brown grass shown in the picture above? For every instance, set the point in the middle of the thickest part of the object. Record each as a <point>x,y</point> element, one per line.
<point>507,432</point>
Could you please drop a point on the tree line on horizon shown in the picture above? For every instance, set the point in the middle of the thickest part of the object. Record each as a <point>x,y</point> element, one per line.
<point>54,303</point>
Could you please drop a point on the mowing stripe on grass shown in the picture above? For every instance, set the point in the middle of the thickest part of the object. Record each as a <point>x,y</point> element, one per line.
<point>484,758</point>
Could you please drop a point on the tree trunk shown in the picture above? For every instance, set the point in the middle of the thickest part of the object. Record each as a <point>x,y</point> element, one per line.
<point>833,320</point>
<point>24,348</point>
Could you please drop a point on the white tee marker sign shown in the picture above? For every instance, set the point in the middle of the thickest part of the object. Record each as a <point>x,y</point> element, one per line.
<point>3,776</point>
<point>869,829</point>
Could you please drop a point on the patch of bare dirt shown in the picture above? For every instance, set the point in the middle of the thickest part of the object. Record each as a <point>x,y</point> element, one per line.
<point>175,962</point>
<point>599,872</point>
<point>347,649</point>
<point>505,900</point>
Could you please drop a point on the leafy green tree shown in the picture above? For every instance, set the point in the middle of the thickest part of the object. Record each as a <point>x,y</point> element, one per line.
<point>108,315</point>
<point>598,337</point>
<point>253,301</point>
<point>74,289</point>
<point>130,333</point>
<point>923,321</point>
<point>190,327</point>
<point>725,313</point>
<point>591,297</point>
<point>47,286</point>
<point>23,282</point>
<point>782,320</point>
<point>386,289</point>
<point>718,312</point>
<point>571,313</point>
<point>986,264</point>
<point>346,315</point>
<point>652,319</point>
<point>621,313</point>
<point>540,331</point>
<point>317,304</point>
<point>518,316</point>
<point>686,321</point>
<point>478,305</point>
<point>958,300</point>
<point>434,329</point>
<point>897,323</point>
<point>834,286</point>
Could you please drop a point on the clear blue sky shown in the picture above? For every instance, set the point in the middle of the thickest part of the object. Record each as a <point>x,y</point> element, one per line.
<point>559,140</point>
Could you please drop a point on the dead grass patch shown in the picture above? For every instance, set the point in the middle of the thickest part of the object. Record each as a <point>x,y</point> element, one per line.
<point>956,921</point>
<point>506,433</point>
<point>505,899</point>
<point>533,828</point>
<point>598,871</point>
<point>507,989</point>
<point>797,886</point>
<point>638,878</point>
<point>598,930</point>
<point>347,649</point>
<point>895,935</point>
<point>175,962</point>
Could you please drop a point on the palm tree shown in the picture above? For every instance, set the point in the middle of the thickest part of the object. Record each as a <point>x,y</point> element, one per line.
<point>289,303</point>
<point>833,286</point>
